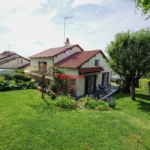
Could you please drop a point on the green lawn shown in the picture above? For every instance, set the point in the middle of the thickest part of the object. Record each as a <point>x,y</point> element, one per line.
<point>29,123</point>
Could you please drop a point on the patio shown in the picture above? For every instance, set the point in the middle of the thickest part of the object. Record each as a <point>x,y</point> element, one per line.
<point>97,93</point>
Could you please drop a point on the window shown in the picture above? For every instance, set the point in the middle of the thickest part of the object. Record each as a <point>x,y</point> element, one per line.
<point>97,63</point>
<point>20,61</point>
<point>43,63</point>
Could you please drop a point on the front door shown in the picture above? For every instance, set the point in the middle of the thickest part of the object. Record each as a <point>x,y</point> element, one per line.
<point>90,84</point>
<point>105,78</point>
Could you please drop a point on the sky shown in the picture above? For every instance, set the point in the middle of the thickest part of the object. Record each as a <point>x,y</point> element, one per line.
<point>32,26</point>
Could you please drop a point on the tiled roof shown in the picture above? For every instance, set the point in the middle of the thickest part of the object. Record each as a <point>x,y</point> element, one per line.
<point>77,59</point>
<point>4,54</point>
<point>91,69</point>
<point>1,56</point>
<point>9,59</point>
<point>53,51</point>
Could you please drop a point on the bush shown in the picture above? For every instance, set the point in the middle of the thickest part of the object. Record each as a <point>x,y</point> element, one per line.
<point>144,85</point>
<point>118,81</point>
<point>148,76</point>
<point>53,95</point>
<point>7,76</point>
<point>19,71</point>
<point>66,102</point>
<point>112,80</point>
<point>111,102</point>
<point>92,104</point>
<point>8,85</point>
<point>18,76</point>
<point>102,107</point>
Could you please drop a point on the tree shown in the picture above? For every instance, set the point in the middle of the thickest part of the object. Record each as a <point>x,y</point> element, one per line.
<point>43,70</point>
<point>144,5</point>
<point>129,56</point>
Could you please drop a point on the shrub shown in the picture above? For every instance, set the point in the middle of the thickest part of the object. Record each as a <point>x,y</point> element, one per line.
<point>102,107</point>
<point>18,76</point>
<point>26,78</point>
<point>111,102</point>
<point>112,80</point>
<point>90,104</point>
<point>118,81</point>
<point>66,102</point>
<point>5,85</point>
<point>19,71</point>
<point>148,76</point>
<point>7,76</point>
<point>53,95</point>
<point>144,85</point>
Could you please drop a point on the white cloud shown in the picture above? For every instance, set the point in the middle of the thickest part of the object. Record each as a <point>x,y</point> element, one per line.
<point>85,2</point>
<point>76,13</point>
<point>97,10</point>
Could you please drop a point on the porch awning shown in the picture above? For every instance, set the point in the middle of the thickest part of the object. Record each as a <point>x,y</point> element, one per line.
<point>91,69</point>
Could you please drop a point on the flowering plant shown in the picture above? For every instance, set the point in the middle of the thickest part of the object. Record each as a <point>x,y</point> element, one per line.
<point>41,89</point>
<point>111,102</point>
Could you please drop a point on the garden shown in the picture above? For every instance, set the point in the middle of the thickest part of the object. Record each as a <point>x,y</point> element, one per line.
<point>29,122</point>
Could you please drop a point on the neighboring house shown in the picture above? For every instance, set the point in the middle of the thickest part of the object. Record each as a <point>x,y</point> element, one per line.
<point>11,60</point>
<point>91,64</point>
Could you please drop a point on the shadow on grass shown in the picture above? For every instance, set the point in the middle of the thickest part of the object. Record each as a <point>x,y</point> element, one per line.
<point>143,96</point>
<point>144,106</point>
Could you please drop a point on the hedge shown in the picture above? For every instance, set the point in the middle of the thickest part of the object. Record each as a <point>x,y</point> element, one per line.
<point>144,85</point>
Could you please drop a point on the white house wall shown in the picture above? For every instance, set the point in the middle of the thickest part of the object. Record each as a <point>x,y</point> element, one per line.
<point>13,64</point>
<point>64,55</point>
<point>103,64</point>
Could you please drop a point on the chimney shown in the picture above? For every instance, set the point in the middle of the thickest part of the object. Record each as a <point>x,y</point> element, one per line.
<point>67,44</point>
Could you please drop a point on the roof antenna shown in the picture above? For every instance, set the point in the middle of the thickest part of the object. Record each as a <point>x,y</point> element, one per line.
<point>8,47</point>
<point>64,26</point>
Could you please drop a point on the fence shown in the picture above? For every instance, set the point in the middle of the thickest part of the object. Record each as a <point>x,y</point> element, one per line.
<point>38,77</point>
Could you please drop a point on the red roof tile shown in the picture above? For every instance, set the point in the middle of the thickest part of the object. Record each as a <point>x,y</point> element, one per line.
<point>53,51</point>
<point>77,59</point>
<point>92,69</point>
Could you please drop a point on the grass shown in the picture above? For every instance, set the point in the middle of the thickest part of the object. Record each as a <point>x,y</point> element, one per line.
<point>28,122</point>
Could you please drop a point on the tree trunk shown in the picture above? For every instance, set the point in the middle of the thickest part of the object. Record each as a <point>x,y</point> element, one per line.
<point>133,91</point>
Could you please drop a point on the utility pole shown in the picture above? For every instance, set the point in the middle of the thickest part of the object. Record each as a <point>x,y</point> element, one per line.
<point>64,26</point>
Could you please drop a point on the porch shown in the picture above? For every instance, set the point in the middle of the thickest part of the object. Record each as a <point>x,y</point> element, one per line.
<point>102,93</point>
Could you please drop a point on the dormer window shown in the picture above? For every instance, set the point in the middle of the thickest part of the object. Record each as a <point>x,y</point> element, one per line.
<point>97,63</point>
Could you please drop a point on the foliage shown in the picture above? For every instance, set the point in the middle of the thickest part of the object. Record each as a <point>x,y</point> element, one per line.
<point>7,76</point>
<point>92,104</point>
<point>102,107</point>
<point>113,80</point>
<point>66,102</point>
<point>9,85</point>
<point>148,76</point>
<point>144,5</point>
<point>53,95</point>
<point>111,102</point>
<point>17,77</point>
<point>144,85</point>
<point>19,71</point>
<point>129,56</point>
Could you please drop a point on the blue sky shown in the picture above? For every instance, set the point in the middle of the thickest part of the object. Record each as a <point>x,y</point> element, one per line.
<point>31,26</point>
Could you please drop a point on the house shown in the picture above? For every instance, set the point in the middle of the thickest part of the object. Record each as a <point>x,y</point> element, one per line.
<point>91,64</point>
<point>11,60</point>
